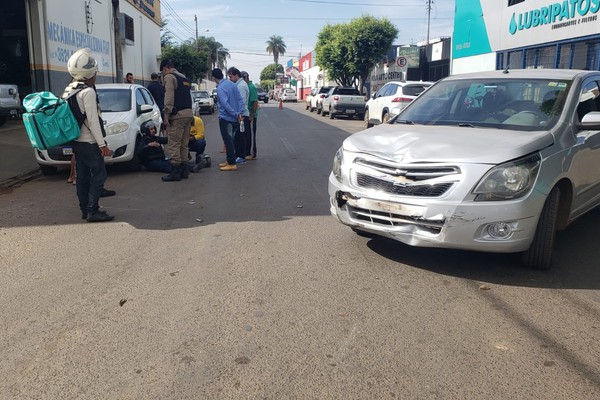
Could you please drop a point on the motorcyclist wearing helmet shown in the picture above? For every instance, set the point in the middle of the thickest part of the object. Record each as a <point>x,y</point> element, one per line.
<point>89,148</point>
<point>151,153</point>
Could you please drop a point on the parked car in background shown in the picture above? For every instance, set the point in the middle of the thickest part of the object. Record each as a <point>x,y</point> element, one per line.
<point>125,107</point>
<point>213,95</point>
<point>10,103</point>
<point>317,99</point>
<point>347,101</point>
<point>288,95</point>
<point>392,98</point>
<point>262,95</point>
<point>309,97</point>
<point>202,102</point>
<point>492,161</point>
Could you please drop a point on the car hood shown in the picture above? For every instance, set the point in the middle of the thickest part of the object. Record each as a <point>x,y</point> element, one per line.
<point>431,143</point>
<point>114,117</point>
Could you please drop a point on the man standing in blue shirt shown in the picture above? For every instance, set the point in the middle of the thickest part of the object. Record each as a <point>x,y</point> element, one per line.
<point>231,108</point>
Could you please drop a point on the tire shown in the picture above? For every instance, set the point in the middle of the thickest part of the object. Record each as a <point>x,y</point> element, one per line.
<point>311,109</point>
<point>323,112</point>
<point>48,170</point>
<point>319,110</point>
<point>3,120</point>
<point>539,254</point>
<point>307,107</point>
<point>385,117</point>
<point>266,100</point>
<point>331,115</point>
<point>366,119</point>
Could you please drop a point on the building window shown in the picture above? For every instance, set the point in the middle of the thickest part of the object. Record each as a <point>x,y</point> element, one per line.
<point>127,31</point>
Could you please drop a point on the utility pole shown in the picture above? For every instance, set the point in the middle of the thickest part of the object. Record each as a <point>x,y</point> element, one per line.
<point>196,20</point>
<point>428,18</point>
<point>117,32</point>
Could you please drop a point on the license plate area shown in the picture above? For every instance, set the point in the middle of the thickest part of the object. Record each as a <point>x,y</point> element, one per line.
<point>67,151</point>
<point>350,111</point>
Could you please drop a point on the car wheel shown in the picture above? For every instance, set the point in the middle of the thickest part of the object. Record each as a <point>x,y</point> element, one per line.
<point>385,118</point>
<point>311,109</point>
<point>331,115</point>
<point>3,120</point>
<point>266,100</point>
<point>319,111</point>
<point>539,254</point>
<point>366,119</point>
<point>48,169</point>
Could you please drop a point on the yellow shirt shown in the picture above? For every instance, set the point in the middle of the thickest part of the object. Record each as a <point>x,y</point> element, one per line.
<point>197,129</point>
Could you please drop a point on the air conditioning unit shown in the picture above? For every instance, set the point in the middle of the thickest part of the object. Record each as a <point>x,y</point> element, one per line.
<point>127,31</point>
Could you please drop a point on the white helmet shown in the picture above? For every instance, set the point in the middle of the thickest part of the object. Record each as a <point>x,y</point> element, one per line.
<point>82,65</point>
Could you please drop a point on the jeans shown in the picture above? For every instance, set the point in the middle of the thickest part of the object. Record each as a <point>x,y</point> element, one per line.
<point>197,146</point>
<point>159,166</point>
<point>91,175</point>
<point>228,130</point>
<point>240,139</point>
<point>251,138</point>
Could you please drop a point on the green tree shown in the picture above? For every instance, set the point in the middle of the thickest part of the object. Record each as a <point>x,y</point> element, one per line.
<point>277,47</point>
<point>348,52</point>
<point>166,37</point>
<point>268,76</point>
<point>188,60</point>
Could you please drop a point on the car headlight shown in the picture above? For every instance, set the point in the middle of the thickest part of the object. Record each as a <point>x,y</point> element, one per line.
<point>118,127</point>
<point>337,164</point>
<point>508,181</point>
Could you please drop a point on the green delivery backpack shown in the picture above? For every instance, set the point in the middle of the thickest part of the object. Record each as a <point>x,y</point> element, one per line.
<point>50,121</point>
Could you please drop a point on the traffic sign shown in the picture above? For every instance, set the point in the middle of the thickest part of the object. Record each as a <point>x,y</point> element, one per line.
<point>401,61</point>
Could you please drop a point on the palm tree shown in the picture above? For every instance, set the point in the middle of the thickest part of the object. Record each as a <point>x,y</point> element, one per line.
<point>277,47</point>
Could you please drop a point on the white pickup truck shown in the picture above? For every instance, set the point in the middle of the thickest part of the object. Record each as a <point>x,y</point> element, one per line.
<point>343,101</point>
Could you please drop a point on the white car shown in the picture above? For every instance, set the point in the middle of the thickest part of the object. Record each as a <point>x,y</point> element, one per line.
<point>288,95</point>
<point>392,98</point>
<point>125,107</point>
<point>202,102</point>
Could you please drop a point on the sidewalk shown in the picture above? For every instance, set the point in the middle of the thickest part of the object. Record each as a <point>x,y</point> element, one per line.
<point>17,159</point>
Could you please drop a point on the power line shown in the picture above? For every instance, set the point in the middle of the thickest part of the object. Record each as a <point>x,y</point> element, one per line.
<point>357,4</point>
<point>177,18</point>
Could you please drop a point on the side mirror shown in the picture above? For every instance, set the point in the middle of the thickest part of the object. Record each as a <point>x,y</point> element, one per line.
<point>590,121</point>
<point>144,108</point>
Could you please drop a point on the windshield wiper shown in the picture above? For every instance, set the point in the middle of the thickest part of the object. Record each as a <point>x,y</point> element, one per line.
<point>404,121</point>
<point>466,124</point>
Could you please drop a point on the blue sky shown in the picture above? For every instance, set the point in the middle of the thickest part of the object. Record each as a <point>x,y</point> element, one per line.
<point>243,27</point>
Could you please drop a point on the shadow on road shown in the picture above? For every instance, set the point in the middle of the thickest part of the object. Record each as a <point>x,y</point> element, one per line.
<point>575,263</point>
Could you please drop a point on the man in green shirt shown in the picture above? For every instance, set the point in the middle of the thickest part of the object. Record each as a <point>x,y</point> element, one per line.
<point>253,108</point>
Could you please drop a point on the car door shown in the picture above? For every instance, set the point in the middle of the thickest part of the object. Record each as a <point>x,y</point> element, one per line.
<point>585,164</point>
<point>376,107</point>
<point>143,97</point>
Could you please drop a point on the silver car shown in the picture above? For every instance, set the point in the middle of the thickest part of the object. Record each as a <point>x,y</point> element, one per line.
<point>494,161</point>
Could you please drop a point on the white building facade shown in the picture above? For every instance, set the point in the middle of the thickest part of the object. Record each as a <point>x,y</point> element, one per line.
<point>515,34</point>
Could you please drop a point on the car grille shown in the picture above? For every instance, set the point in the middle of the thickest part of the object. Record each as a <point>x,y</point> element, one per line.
<point>417,180</point>
<point>395,220</point>
<point>435,190</point>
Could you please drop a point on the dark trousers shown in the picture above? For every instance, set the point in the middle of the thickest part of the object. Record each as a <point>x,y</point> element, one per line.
<point>159,166</point>
<point>197,146</point>
<point>251,138</point>
<point>240,139</point>
<point>228,130</point>
<point>91,175</point>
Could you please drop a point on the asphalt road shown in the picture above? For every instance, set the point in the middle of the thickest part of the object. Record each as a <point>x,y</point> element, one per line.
<point>240,285</point>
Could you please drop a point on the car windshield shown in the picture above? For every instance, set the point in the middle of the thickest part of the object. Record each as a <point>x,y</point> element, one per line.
<point>199,95</point>
<point>517,104</point>
<point>114,100</point>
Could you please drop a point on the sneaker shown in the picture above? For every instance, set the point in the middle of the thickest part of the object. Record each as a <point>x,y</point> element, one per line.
<point>250,158</point>
<point>240,160</point>
<point>229,168</point>
<point>84,214</point>
<point>99,216</point>
<point>107,193</point>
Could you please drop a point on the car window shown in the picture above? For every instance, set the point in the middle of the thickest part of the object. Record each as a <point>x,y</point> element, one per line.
<point>382,92</point>
<point>516,104</point>
<point>348,92</point>
<point>147,96</point>
<point>589,100</point>
<point>203,94</point>
<point>114,100</point>
<point>413,90</point>
<point>139,98</point>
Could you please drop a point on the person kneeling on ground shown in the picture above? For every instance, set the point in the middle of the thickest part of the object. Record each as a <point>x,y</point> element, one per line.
<point>197,144</point>
<point>151,154</point>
